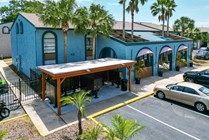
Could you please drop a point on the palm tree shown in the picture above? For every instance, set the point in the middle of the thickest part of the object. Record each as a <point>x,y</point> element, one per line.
<point>123,129</point>
<point>195,35</point>
<point>94,21</point>
<point>182,24</point>
<point>79,100</point>
<point>124,17</point>
<point>170,7</point>
<point>91,133</point>
<point>133,7</point>
<point>159,8</point>
<point>58,14</point>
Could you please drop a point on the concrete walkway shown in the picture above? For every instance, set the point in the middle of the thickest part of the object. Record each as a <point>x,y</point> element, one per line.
<point>45,119</point>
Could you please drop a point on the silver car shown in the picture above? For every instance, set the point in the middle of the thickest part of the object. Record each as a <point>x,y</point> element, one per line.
<point>185,92</point>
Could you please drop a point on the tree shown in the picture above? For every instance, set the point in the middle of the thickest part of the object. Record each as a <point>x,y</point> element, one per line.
<point>159,8</point>
<point>94,21</point>
<point>195,35</point>
<point>124,16</point>
<point>59,14</point>
<point>79,100</point>
<point>9,13</point>
<point>182,24</point>
<point>133,7</point>
<point>170,7</point>
<point>123,129</point>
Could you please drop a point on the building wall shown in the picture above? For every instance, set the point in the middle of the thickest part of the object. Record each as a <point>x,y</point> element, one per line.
<point>130,50</point>
<point>75,47</point>
<point>23,45</point>
<point>5,40</point>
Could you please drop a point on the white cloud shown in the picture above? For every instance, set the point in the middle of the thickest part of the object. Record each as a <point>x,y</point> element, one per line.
<point>4,1</point>
<point>83,1</point>
<point>201,24</point>
<point>113,4</point>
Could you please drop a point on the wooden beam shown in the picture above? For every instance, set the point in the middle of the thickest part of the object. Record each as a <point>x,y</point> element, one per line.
<point>58,97</point>
<point>129,79</point>
<point>62,81</point>
<point>43,86</point>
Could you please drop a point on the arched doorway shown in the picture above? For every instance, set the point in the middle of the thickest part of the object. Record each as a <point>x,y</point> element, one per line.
<point>165,59</point>
<point>181,56</point>
<point>144,66</point>
<point>107,52</point>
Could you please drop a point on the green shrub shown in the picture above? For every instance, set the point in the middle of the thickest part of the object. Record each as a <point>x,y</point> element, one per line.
<point>3,134</point>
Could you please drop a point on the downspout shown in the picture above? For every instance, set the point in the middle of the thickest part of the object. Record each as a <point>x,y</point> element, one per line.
<point>36,47</point>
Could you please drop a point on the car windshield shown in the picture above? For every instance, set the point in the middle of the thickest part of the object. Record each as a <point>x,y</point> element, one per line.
<point>170,85</point>
<point>204,90</point>
<point>201,53</point>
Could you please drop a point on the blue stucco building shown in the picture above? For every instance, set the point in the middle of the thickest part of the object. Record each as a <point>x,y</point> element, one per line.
<point>34,44</point>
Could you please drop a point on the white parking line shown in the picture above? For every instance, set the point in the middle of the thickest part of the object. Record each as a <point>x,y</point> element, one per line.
<point>163,123</point>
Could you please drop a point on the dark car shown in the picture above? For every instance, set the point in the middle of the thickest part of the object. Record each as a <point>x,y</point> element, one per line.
<point>199,77</point>
<point>203,53</point>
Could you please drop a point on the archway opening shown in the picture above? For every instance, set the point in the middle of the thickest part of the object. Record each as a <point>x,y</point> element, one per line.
<point>165,59</point>
<point>107,53</point>
<point>181,56</point>
<point>144,66</point>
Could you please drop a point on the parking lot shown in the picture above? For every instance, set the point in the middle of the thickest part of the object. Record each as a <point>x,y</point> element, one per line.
<point>163,120</point>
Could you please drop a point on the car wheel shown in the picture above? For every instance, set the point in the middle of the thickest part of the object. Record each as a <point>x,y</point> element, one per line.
<point>189,80</point>
<point>206,57</point>
<point>160,95</point>
<point>200,107</point>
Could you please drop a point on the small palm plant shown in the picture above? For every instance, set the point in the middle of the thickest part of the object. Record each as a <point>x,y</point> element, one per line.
<point>123,129</point>
<point>79,100</point>
<point>138,67</point>
<point>91,133</point>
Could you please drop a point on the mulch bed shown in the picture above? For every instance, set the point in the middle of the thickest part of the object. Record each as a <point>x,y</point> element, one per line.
<point>23,129</point>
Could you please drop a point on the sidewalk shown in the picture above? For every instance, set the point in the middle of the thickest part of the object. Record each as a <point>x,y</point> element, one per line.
<point>45,119</point>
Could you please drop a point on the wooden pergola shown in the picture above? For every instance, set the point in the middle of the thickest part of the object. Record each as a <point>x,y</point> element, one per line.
<point>60,72</point>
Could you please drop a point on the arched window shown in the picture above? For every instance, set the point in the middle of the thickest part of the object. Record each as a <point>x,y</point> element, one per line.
<point>17,28</point>
<point>49,48</point>
<point>5,30</point>
<point>21,27</point>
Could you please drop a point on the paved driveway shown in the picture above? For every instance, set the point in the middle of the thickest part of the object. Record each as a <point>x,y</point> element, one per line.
<point>164,120</point>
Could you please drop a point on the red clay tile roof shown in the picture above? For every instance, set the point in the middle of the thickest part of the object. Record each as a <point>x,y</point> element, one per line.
<point>204,29</point>
<point>119,26</point>
<point>153,25</point>
<point>35,20</point>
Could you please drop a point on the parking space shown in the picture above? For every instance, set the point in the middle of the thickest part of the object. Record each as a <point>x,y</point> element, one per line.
<point>163,120</point>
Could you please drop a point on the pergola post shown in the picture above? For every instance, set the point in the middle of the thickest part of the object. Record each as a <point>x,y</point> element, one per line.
<point>58,97</point>
<point>43,86</point>
<point>129,79</point>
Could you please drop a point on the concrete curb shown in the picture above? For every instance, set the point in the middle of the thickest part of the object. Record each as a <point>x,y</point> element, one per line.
<point>13,118</point>
<point>118,106</point>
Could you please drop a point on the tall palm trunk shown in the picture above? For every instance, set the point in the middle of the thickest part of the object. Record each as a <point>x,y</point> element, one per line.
<point>132,20</point>
<point>124,12</point>
<point>167,25</point>
<point>65,46</point>
<point>80,122</point>
<point>93,46</point>
<point>163,27</point>
<point>132,24</point>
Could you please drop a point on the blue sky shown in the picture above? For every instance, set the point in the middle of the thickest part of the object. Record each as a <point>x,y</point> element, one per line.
<point>194,9</point>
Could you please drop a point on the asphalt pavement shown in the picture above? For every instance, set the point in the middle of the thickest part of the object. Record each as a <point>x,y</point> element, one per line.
<point>163,120</point>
